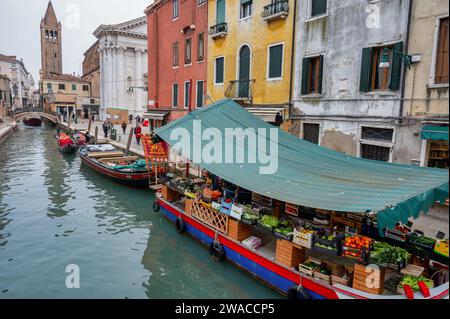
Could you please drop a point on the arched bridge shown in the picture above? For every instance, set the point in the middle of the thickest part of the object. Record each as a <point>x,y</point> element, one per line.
<point>38,113</point>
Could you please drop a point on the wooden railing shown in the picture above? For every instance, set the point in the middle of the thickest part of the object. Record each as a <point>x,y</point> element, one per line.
<point>210,217</point>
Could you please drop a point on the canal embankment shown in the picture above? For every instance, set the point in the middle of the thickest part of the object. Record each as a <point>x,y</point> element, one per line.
<point>6,129</point>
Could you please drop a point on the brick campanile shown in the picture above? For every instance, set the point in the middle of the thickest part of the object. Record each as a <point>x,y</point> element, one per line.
<point>51,49</point>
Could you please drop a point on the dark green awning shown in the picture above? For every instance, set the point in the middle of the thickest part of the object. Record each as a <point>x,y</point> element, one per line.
<point>314,176</point>
<point>435,133</point>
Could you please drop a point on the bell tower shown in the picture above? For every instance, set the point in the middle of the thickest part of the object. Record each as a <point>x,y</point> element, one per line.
<point>51,50</point>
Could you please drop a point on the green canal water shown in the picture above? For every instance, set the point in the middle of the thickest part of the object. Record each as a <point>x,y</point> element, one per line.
<point>54,212</point>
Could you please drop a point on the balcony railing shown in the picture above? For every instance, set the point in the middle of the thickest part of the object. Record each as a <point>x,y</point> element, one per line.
<point>276,10</point>
<point>240,90</point>
<point>218,30</point>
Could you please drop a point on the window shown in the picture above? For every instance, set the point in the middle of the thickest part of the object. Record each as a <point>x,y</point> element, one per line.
<point>47,34</point>
<point>200,85</point>
<point>318,7</point>
<point>200,2</point>
<point>312,75</point>
<point>246,8</point>
<point>92,101</point>
<point>49,87</point>
<point>61,86</point>
<point>175,8</point>
<point>374,152</point>
<point>275,69</point>
<point>219,70</point>
<point>377,134</point>
<point>175,95</point>
<point>15,89</point>
<point>441,73</point>
<point>201,47</point>
<point>176,55</point>
<point>56,35</point>
<point>188,51</point>
<point>86,88</point>
<point>311,133</point>
<point>74,87</point>
<point>373,77</point>
<point>220,11</point>
<point>187,93</point>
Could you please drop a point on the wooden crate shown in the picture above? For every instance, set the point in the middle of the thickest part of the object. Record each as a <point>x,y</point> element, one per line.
<point>360,278</point>
<point>169,194</point>
<point>210,217</point>
<point>288,254</point>
<point>322,277</point>
<point>238,230</point>
<point>309,270</point>
<point>188,206</point>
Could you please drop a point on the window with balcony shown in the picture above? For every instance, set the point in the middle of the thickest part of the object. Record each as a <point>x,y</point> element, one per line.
<point>201,47</point>
<point>219,65</point>
<point>275,68</point>
<point>246,8</point>
<point>188,51</point>
<point>312,75</point>
<point>175,54</point>
<point>175,8</point>
<point>277,9</point>
<point>220,28</point>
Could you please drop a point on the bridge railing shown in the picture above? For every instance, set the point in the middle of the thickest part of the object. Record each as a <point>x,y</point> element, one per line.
<point>27,110</point>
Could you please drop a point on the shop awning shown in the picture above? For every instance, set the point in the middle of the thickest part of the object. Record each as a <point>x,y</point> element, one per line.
<point>314,176</point>
<point>156,115</point>
<point>434,132</point>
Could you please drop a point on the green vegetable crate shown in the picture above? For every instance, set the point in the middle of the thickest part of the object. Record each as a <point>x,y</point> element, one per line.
<point>329,244</point>
<point>420,246</point>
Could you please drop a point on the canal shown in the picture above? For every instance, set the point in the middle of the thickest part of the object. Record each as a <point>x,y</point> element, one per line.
<point>54,212</point>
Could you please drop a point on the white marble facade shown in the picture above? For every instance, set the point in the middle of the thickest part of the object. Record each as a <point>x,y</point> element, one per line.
<point>123,67</point>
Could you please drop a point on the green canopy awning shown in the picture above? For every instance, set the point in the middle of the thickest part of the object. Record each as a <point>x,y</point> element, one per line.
<point>314,176</point>
<point>436,133</point>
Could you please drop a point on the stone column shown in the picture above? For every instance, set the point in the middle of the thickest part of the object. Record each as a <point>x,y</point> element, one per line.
<point>102,80</point>
<point>110,80</point>
<point>121,78</point>
<point>139,81</point>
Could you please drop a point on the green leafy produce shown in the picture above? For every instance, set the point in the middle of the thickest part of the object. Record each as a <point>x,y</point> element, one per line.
<point>414,282</point>
<point>284,230</point>
<point>385,253</point>
<point>270,221</point>
<point>250,216</point>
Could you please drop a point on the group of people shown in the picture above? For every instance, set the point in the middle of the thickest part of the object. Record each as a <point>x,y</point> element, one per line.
<point>137,130</point>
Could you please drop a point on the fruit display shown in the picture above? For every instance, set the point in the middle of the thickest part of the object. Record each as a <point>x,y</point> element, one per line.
<point>357,247</point>
<point>413,282</point>
<point>399,233</point>
<point>383,253</point>
<point>304,237</point>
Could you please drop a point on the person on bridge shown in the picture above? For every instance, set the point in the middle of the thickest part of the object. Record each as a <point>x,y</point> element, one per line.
<point>138,133</point>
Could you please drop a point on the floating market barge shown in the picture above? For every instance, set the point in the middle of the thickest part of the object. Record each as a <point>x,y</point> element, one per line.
<point>326,227</point>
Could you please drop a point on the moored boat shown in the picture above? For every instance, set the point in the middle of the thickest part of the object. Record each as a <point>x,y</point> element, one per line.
<point>32,121</point>
<point>66,145</point>
<point>112,163</point>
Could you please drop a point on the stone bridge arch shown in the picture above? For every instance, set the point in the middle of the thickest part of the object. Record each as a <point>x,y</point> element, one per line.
<point>52,118</point>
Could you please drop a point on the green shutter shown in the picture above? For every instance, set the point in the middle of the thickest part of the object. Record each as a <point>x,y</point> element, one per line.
<point>219,70</point>
<point>396,70</point>
<point>305,75</point>
<point>320,74</point>
<point>364,85</point>
<point>220,15</point>
<point>200,94</point>
<point>276,61</point>
<point>175,95</point>
<point>318,7</point>
<point>245,1</point>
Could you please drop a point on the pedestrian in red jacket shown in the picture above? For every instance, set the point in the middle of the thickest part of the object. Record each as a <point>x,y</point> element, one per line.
<point>138,133</point>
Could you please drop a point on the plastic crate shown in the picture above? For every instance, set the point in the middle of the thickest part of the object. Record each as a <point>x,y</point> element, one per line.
<point>303,239</point>
<point>282,236</point>
<point>417,247</point>
<point>335,245</point>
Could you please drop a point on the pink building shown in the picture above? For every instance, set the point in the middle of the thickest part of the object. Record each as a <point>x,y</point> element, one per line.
<point>177,44</point>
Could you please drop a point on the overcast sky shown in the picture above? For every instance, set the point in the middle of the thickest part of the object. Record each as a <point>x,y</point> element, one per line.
<point>20,27</point>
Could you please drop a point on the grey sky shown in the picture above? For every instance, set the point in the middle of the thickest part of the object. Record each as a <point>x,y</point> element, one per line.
<point>20,21</point>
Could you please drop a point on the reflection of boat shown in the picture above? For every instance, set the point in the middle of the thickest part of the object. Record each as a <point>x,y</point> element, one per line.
<point>66,145</point>
<point>32,121</point>
<point>109,161</point>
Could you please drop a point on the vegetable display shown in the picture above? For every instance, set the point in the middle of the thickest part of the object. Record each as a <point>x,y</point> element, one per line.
<point>270,221</point>
<point>413,282</point>
<point>385,253</point>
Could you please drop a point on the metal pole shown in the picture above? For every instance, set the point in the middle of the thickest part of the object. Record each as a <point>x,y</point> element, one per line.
<point>130,138</point>
<point>96,135</point>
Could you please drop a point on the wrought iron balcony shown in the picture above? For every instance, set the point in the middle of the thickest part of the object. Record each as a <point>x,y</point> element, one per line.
<point>240,90</point>
<point>219,30</point>
<point>276,10</point>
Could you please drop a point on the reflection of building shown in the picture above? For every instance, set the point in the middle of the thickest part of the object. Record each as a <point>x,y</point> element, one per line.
<point>250,54</point>
<point>21,81</point>
<point>123,68</point>
<point>61,93</point>
<point>427,83</point>
<point>5,96</point>
<point>91,73</point>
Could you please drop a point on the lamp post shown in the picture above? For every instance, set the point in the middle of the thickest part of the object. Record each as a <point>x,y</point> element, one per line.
<point>385,64</point>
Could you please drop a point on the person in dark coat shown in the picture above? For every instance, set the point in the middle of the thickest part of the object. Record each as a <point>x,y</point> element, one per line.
<point>105,129</point>
<point>124,127</point>
<point>138,134</point>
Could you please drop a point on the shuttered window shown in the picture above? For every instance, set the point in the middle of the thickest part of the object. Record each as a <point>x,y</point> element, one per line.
<point>276,61</point>
<point>220,15</point>
<point>312,72</point>
<point>74,87</point>
<point>187,94</point>
<point>200,85</point>
<point>176,54</point>
<point>188,51</point>
<point>373,77</point>
<point>175,95</point>
<point>219,70</point>
<point>441,75</point>
<point>201,47</point>
<point>318,7</point>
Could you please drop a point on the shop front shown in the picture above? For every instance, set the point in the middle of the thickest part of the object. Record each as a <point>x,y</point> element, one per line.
<point>434,152</point>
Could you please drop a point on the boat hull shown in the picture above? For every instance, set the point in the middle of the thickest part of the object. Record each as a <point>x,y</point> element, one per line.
<point>276,276</point>
<point>72,149</point>
<point>32,122</point>
<point>139,180</point>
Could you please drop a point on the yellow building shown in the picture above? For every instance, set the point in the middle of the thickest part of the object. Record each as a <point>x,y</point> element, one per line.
<point>250,54</point>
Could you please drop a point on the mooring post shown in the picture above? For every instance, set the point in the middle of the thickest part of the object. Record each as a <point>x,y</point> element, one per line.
<point>90,124</point>
<point>130,138</point>
<point>96,135</point>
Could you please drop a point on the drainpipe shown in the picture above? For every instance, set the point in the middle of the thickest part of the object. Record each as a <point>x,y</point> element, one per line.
<point>291,84</point>
<point>408,29</point>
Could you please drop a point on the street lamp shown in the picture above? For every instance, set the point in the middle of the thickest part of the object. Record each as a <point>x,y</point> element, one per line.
<point>385,64</point>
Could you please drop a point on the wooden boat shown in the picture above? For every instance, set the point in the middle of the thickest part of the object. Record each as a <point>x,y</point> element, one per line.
<point>66,145</point>
<point>32,121</point>
<point>114,165</point>
<point>276,275</point>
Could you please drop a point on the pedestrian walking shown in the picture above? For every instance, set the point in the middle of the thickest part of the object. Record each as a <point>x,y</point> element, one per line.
<point>138,119</point>
<point>138,133</point>
<point>105,129</point>
<point>124,127</point>
<point>130,119</point>
<point>93,118</point>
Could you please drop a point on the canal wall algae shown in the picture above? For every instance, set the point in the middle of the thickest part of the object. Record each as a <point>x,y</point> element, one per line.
<point>54,212</point>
